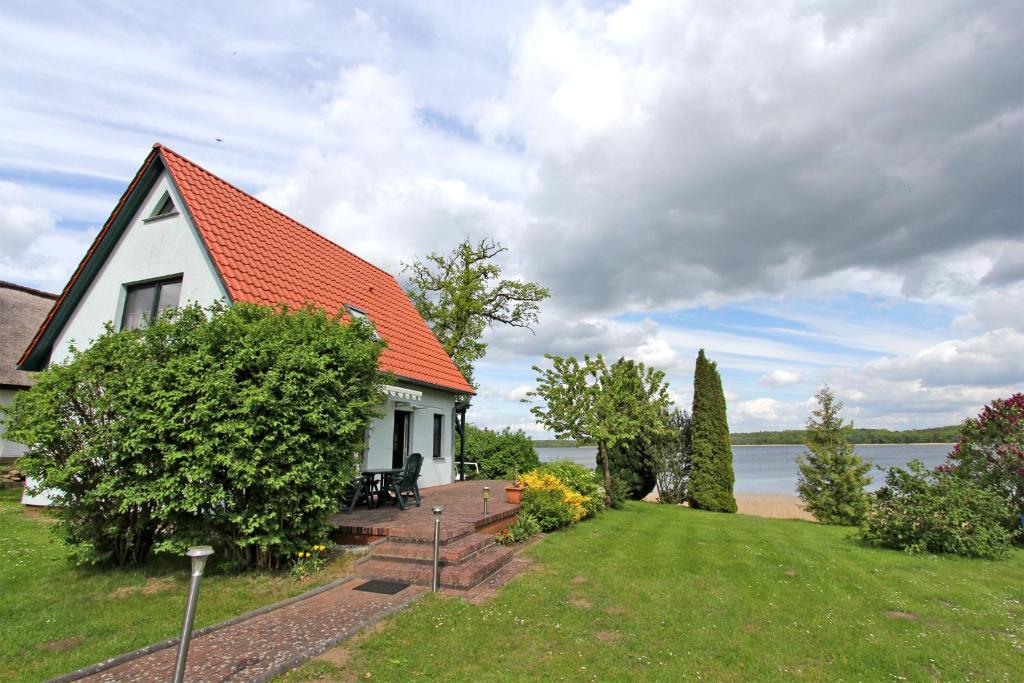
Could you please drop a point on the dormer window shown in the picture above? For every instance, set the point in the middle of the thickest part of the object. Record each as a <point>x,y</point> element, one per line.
<point>165,207</point>
<point>361,314</point>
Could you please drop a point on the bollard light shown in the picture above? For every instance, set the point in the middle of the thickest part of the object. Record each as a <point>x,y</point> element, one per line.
<point>487,497</point>
<point>435,582</point>
<point>198,555</point>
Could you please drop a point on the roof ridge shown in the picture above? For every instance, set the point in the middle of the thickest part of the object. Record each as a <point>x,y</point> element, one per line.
<point>165,148</point>
<point>29,290</point>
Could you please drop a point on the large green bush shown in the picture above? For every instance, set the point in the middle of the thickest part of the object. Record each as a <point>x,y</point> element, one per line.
<point>581,480</point>
<point>549,508</point>
<point>236,426</point>
<point>501,455</point>
<point>933,511</point>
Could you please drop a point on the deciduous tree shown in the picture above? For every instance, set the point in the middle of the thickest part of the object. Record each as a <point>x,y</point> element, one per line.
<point>461,293</point>
<point>593,401</point>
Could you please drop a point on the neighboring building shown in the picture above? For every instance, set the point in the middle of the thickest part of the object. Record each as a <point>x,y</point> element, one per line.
<point>180,234</point>
<point>22,311</point>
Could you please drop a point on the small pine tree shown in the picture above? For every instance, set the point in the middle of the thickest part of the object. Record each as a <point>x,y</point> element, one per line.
<point>832,476</point>
<point>711,477</point>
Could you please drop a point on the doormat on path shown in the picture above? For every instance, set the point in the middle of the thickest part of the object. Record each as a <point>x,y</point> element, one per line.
<point>385,587</point>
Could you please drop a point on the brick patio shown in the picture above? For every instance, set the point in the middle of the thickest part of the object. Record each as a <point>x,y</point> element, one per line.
<point>463,513</point>
<point>403,540</point>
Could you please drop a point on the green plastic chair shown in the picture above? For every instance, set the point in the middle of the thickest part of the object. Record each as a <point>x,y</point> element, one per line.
<point>405,481</point>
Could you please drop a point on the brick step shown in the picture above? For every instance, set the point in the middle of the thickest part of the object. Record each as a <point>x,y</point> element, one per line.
<point>453,552</point>
<point>424,534</point>
<point>461,576</point>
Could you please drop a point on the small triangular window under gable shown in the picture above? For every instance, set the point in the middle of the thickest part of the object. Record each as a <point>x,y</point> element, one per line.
<point>361,314</point>
<point>164,207</point>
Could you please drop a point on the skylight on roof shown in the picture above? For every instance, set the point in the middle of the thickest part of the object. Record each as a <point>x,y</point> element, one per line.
<point>361,314</point>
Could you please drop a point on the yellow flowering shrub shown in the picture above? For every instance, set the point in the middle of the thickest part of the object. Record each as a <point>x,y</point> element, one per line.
<point>541,481</point>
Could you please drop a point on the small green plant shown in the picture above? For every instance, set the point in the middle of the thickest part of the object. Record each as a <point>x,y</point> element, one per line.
<point>524,528</point>
<point>932,511</point>
<point>309,562</point>
<point>548,507</point>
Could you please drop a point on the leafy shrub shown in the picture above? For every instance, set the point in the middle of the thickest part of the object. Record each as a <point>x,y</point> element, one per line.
<point>548,507</point>
<point>991,451</point>
<point>524,528</point>
<point>581,480</point>
<point>931,511</point>
<point>235,425</point>
<point>501,455</point>
<point>672,458</point>
<point>542,481</point>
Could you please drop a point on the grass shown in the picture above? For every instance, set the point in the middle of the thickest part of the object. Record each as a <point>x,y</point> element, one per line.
<point>56,618</point>
<point>666,593</point>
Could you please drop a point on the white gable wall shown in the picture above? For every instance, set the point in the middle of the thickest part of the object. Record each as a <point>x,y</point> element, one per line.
<point>147,250</point>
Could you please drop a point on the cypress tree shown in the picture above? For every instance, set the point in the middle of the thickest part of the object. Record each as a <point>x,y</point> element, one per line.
<point>832,477</point>
<point>711,478</point>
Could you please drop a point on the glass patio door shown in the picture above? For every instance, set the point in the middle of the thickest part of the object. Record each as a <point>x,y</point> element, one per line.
<point>400,440</point>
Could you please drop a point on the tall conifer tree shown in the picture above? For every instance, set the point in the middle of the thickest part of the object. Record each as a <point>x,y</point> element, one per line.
<point>711,478</point>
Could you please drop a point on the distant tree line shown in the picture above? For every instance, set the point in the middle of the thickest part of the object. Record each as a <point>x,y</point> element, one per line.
<point>949,434</point>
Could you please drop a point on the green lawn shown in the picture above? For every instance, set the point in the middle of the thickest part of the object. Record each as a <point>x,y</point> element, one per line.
<point>55,618</point>
<point>666,593</point>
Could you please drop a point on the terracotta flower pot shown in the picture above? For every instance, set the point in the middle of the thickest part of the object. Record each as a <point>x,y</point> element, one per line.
<point>514,494</point>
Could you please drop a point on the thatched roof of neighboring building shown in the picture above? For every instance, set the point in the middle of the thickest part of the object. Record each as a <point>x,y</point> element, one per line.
<point>22,311</point>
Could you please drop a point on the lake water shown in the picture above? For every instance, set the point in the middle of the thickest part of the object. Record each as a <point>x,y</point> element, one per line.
<point>772,469</point>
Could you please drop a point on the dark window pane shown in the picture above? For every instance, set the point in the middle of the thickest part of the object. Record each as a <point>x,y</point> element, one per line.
<point>166,207</point>
<point>138,307</point>
<point>170,292</point>
<point>438,428</point>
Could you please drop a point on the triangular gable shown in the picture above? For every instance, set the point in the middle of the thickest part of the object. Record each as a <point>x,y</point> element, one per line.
<point>263,256</point>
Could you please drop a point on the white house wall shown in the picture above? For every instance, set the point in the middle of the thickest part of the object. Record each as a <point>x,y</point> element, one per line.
<point>421,435</point>
<point>146,251</point>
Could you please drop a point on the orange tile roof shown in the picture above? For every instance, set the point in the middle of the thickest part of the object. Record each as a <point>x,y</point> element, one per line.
<point>265,257</point>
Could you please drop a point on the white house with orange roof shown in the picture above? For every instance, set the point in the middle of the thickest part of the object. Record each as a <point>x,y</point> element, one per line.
<point>180,234</point>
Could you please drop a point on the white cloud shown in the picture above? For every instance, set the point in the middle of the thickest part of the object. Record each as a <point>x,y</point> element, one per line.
<point>781,378</point>
<point>993,359</point>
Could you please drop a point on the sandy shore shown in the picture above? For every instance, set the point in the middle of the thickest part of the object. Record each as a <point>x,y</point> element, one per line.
<point>777,505</point>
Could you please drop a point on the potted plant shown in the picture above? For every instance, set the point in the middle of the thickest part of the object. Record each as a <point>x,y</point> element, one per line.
<point>514,493</point>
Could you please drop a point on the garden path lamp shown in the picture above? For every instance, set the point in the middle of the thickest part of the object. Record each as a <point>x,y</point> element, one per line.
<point>487,497</point>
<point>198,555</point>
<point>435,579</point>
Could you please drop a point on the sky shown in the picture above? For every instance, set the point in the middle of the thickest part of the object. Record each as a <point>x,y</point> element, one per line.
<point>814,192</point>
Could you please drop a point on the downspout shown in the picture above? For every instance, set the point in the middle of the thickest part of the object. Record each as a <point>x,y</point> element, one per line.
<point>460,410</point>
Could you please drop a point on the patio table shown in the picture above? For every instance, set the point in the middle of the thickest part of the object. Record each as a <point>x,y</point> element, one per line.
<point>376,482</point>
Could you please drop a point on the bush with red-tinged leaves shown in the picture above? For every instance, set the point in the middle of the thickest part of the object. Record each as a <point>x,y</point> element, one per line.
<point>991,452</point>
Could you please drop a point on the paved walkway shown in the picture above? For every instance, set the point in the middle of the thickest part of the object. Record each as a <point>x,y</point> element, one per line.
<point>260,647</point>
